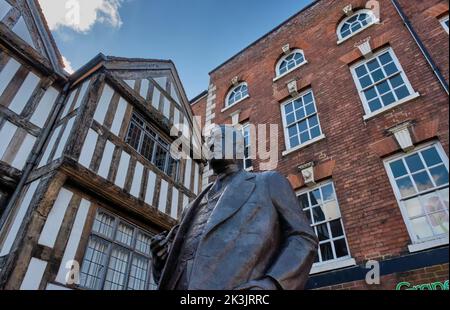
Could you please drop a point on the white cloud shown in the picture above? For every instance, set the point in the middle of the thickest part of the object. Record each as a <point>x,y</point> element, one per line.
<point>81,15</point>
<point>67,65</point>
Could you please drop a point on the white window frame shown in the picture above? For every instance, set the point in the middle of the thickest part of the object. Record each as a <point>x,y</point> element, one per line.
<point>227,98</point>
<point>417,245</point>
<point>289,148</point>
<point>338,263</point>
<point>368,113</point>
<point>342,23</point>
<point>244,127</point>
<point>443,21</point>
<point>278,74</point>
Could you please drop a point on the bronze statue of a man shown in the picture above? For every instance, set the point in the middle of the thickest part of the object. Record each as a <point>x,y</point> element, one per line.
<point>246,231</point>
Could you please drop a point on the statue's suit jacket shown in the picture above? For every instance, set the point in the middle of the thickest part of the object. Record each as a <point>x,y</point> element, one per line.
<point>256,230</point>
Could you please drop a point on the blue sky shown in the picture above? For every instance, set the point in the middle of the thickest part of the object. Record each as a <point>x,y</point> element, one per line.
<point>197,35</point>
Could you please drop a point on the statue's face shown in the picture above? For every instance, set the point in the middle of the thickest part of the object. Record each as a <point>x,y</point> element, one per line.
<point>225,145</point>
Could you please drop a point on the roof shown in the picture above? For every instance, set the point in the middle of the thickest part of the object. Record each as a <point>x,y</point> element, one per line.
<point>198,97</point>
<point>267,34</point>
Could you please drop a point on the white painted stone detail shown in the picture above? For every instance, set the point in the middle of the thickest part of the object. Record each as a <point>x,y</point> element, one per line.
<point>45,107</point>
<point>122,170</point>
<point>24,93</point>
<point>87,152</point>
<point>74,240</point>
<point>137,180</point>
<point>34,274</point>
<point>55,219</point>
<point>18,218</point>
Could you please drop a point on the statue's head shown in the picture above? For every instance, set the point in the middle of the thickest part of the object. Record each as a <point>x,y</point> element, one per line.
<point>226,148</point>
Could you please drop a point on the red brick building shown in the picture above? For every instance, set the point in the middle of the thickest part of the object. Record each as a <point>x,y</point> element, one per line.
<point>359,92</point>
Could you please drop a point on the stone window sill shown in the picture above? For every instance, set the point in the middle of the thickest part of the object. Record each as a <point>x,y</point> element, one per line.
<point>387,108</point>
<point>297,148</point>
<point>417,247</point>
<point>333,265</point>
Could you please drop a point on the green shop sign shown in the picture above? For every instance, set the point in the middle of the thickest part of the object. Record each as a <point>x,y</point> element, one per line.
<point>443,286</point>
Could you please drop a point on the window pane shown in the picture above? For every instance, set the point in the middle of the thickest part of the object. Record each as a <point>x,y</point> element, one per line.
<point>315,197</point>
<point>361,71</point>
<point>341,248</point>
<point>143,243</point>
<point>413,207</point>
<point>124,234</point>
<point>315,132</point>
<point>431,157</point>
<point>402,92</point>
<point>322,232</point>
<point>440,175</point>
<point>398,169</point>
<point>422,181</point>
<point>326,251</point>
<point>104,224</point>
<point>388,99</point>
<point>138,274</point>
<point>421,228</point>
<point>303,200</point>
<point>294,141</point>
<point>328,192</point>
<point>444,196</point>
<point>93,264</point>
<point>432,203</point>
<point>160,158</point>
<point>115,277</point>
<point>439,222</point>
<point>336,229</point>
<point>406,187</point>
<point>331,210</point>
<point>134,135</point>
<point>414,163</point>
<point>318,214</point>
<point>147,147</point>
<point>375,105</point>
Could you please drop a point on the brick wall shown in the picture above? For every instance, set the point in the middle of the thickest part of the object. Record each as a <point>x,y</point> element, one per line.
<point>355,148</point>
<point>428,275</point>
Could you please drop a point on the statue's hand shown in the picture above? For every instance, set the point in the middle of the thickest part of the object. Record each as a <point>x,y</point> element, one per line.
<point>159,247</point>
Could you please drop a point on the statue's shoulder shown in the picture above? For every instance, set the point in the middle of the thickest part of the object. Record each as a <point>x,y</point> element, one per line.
<point>271,177</point>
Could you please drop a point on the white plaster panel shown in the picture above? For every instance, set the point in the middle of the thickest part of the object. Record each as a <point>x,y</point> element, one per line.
<point>87,152</point>
<point>137,180</point>
<point>55,218</point>
<point>105,164</point>
<point>44,108</point>
<point>103,104</point>
<point>118,118</point>
<point>122,170</point>
<point>34,274</point>
<point>24,93</point>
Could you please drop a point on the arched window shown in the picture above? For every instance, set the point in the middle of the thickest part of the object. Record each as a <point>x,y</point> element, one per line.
<point>355,24</point>
<point>291,61</point>
<point>238,93</point>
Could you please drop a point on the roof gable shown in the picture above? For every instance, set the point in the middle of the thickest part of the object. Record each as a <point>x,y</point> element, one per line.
<point>25,19</point>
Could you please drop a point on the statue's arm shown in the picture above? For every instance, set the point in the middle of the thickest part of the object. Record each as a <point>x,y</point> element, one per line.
<point>299,247</point>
